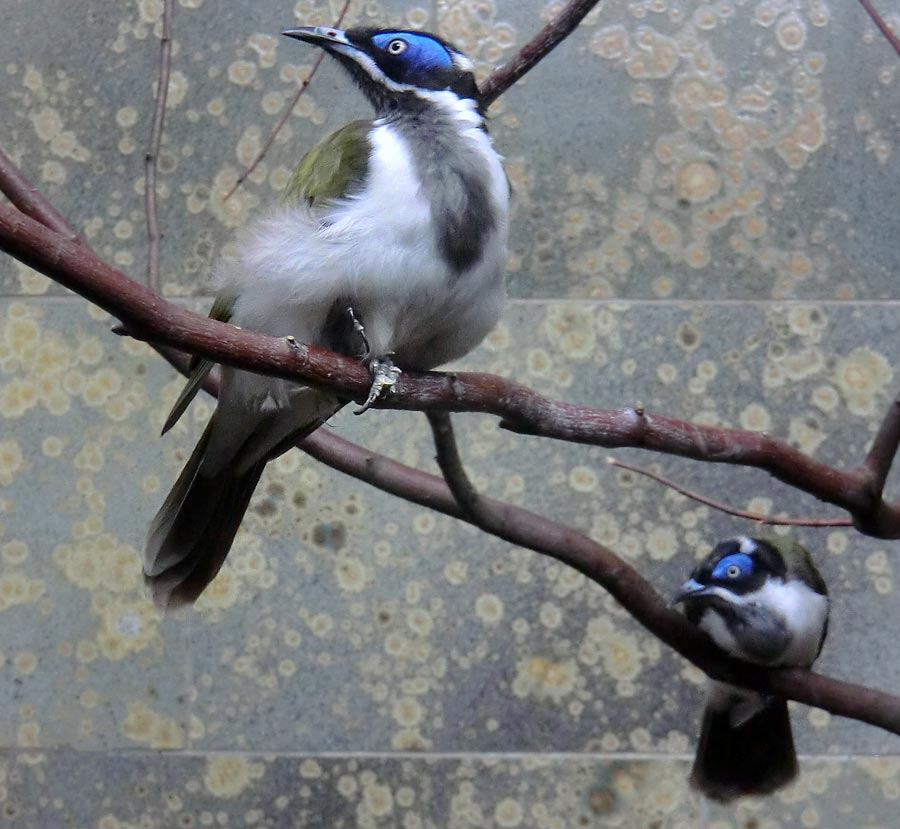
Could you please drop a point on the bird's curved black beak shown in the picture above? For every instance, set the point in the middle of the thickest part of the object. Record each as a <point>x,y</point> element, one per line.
<point>323,36</point>
<point>691,589</point>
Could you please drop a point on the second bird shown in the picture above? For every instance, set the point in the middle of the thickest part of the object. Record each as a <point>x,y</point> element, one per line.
<point>763,601</point>
<point>390,245</point>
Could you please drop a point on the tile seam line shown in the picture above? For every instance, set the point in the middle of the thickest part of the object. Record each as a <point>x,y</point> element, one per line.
<point>529,301</point>
<point>403,756</point>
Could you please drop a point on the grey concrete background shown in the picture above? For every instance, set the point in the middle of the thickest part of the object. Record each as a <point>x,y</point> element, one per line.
<point>705,220</point>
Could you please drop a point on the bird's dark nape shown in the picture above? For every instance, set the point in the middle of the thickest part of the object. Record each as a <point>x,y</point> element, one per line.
<point>756,758</point>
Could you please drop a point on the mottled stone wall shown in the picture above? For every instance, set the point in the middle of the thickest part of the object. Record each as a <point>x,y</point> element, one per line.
<point>706,221</point>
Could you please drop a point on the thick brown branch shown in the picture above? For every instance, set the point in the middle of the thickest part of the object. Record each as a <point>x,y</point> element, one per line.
<point>718,505</point>
<point>24,195</point>
<point>521,409</point>
<point>623,582</point>
<point>879,21</point>
<point>544,42</point>
<point>287,112</point>
<point>155,142</point>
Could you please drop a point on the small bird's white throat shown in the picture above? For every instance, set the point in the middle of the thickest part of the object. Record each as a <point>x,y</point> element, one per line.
<point>803,610</point>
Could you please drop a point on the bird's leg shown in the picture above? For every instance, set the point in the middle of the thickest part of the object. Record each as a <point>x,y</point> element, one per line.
<point>360,329</point>
<point>384,376</point>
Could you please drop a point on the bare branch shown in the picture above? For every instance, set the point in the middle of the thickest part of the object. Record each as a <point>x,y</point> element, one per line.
<point>878,462</point>
<point>25,196</point>
<point>474,508</point>
<point>521,409</point>
<point>624,583</point>
<point>287,113</point>
<point>533,52</point>
<point>879,21</point>
<point>526,529</point>
<point>717,505</point>
<point>152,154</point>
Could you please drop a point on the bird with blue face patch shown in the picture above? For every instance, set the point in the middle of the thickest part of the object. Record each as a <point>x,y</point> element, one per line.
<point>389,246</point>
<point>765,602</point>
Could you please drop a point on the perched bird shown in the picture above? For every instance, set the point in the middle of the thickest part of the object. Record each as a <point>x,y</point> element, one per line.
<point>762,601</point>
<point>389,245</point>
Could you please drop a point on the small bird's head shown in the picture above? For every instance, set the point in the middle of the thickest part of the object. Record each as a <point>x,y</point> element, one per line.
<point>764,594</point>
<point>738,566</point>
<point>395,67</point>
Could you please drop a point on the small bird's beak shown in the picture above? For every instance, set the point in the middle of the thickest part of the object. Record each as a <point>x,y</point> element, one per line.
<point>689,590</point>
<point>323,36</point>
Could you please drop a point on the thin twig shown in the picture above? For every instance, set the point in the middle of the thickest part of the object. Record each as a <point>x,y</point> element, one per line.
<point>544,42</point>
<point>879,21</point>
<point>717,505</point>
<point>287,113</point>
<point>150,159</point>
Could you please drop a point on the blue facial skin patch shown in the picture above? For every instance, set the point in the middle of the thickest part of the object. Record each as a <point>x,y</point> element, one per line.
<point>422,52</point>
<point>741,560</point>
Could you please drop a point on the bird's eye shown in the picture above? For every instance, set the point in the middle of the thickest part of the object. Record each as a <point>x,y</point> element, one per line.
<point>733,571</point>
<point>397,47</point>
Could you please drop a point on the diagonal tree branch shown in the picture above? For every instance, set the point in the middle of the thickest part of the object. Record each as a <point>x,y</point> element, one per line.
<point>880,458</point>
<point>879,21</point>
<point>533,52</point>
<point>27,198</point>
<point>448,458</point>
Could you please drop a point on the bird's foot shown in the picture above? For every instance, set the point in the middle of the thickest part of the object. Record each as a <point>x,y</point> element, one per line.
<point>384,376</point>
<point>360,329</point>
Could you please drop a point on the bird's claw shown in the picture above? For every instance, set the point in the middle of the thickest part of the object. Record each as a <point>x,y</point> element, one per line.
<point>384,376</point>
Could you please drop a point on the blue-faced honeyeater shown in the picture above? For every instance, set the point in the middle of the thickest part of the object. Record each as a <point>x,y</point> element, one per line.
<point>389,246</point>
<point>763,601</point>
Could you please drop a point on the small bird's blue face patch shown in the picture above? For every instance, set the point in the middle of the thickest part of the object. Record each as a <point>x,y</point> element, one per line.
<point>734,567</point>
<point>419,53</point>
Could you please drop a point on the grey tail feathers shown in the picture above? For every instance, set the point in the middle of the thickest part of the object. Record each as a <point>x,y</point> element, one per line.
<point>755,758</point>
<point>192,533</point>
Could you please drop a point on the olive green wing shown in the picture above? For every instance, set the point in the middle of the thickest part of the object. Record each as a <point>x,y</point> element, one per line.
<point>332,169</point>
<point>199,366</point>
